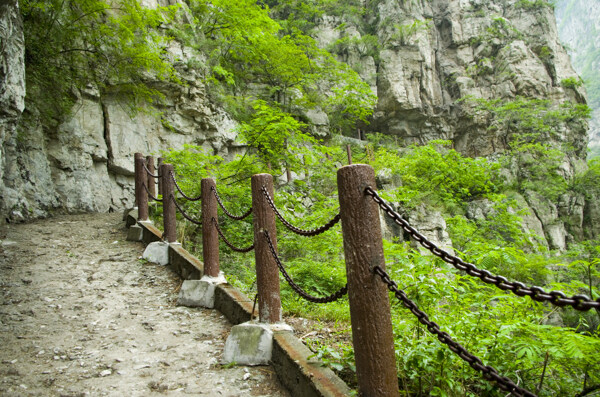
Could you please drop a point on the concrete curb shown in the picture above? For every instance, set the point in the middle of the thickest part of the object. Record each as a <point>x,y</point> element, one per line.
<point>300,375</point>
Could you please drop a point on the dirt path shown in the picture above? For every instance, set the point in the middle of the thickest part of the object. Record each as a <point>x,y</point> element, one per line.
<point>81,315</point>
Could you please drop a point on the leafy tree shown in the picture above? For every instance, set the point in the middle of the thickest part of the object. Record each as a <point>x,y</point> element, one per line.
<point>94,45</point>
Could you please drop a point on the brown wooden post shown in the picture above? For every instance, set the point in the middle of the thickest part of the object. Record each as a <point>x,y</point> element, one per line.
<point>151,180</point>
<point>159,163</point>
<point>349,151</point>
<point>136,185</point>
<point>267,272</point>
<point>210,238</point>
<point>169,227</point>
<point>140,192</point>
<point>369,301</point>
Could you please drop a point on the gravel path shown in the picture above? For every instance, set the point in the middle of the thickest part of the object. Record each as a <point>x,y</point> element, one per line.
<point>81,315</point>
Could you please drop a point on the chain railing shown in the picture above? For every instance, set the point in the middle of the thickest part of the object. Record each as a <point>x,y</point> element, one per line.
<point>150,194</point>
<point>488,372</point>
<point>538,294</point>
<point>368,282</point>
<point>227,242</point>
<point>184,213</point>
<point>229,214</point>
<point>302,232</point>
<point>189,198</point>
<point>325,299</point>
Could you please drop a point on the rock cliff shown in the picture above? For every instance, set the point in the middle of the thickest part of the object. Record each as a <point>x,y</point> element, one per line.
<point>431,57</point>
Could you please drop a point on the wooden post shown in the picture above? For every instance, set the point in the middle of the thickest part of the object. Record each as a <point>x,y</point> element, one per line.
<point>210,238</point>
<point>140,192</point>
<point>169,227</point>
<point>159,163</point>
<point>151,180</point>
<point>349,151</point>
<point>267,273</point>
<point>368,296</point>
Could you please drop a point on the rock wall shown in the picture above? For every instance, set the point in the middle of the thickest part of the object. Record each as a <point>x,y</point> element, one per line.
<point>12,78</point>
<point>433,54</point>
<point>579,28</point>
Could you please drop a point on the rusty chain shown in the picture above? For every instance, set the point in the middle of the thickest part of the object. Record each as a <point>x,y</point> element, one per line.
<point>489,373</point>
<point>326,299</point>
<point>233,247</point>
<point>150,194</point>
<point>308,233</point>
<point>181,191</point>
<point>538,294</point>
<point>184,214</point>
<point>229,214</point>
<point>150,173</point>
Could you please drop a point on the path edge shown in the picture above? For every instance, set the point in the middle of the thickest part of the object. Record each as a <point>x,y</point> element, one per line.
<point>301,374</point>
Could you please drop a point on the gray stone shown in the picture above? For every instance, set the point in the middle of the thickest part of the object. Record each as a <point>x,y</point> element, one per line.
<point>200,293</point>
<point>432,225</point>
<point>157,252</point>
<point>135,233</point>
<point>249,344</point>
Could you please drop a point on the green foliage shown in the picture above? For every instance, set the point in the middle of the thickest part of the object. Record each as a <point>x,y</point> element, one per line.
<point>571,82</point>
<point>77,45</point>
<point>251,56</point>
<point>436,174</point>
<point>530,5</point>
<point>404,32</point>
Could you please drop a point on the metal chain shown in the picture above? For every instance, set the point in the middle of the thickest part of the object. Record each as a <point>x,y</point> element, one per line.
<point>150,173</point>
<point>538,294</point>
<point>489,373</point>
<point>150,194</point>
<point>308,233</point>
<point>229,214</point>
<point>233,247</point>
<point>326,299</point>
<point>181,191</point>
<point>185,215</point>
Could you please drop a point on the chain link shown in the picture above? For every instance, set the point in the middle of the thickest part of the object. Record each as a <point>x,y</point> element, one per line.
<point>488,373</point>
<point>326,299</point>
<point>150,194</point>
<point>538,294</point>
<point>150,173</point>
<point>185,215</point>
<point>229,214</point>
<point>308,233</point>
<point>181,191</point>
<point>233,247</point>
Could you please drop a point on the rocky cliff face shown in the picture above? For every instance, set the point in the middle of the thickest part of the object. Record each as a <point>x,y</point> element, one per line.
<point>12,75</point>
<point>432,54</point>
<point>579,28</point>
<point>436,57</point>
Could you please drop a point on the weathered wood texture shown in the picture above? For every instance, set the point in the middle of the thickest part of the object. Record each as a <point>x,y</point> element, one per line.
<point>210,237</point>
<point>169,226</point>
<point>369,300</point>
<point>151,180</point>
<point>267,273</point>
<point>159,163</point>
<point>140,192</point>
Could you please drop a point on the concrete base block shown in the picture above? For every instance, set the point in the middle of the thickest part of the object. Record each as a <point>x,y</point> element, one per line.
<point>201,292</point>
<point>157,252</point>
<point>249,344</point>
<point>135,233</point>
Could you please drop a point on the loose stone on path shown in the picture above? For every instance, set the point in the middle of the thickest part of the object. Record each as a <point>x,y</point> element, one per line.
<point>81,315</point>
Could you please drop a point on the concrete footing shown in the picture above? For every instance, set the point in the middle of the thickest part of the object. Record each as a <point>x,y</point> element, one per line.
<point>157,252</point>
<point>135,233</point>
<point>251,343</point>
<point>201,292</point>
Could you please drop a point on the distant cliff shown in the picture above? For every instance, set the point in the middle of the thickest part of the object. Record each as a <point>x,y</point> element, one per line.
<point>579,28</point>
